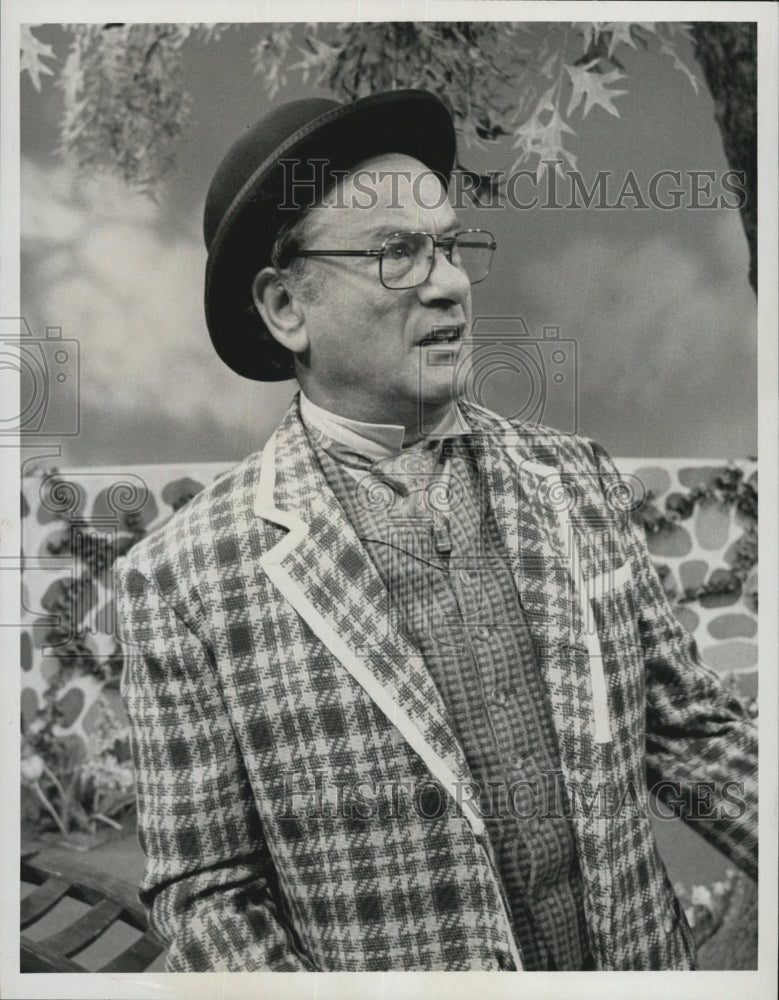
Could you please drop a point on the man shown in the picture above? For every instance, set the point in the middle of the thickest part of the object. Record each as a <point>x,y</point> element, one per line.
<point>398,684</point>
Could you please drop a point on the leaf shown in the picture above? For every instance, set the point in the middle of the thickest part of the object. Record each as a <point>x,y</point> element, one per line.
<point>592,87</point>
<point>589,30</point>
<point>268,57</point>
<point>33,52</point>
<point>50,809</point>
<point>620,32</point>
<point>544,138</point>
<point>318,59</point>
<point>667,48</point>
<point>548,69</point>
<point>108,820</point>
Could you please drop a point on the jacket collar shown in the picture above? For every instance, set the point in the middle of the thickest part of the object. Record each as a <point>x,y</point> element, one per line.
<point>322,570</point>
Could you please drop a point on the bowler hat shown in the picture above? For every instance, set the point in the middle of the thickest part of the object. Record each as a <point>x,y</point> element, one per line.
<point>250,199</point>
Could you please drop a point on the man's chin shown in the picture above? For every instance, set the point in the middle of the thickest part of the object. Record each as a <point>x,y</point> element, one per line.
<point>438,395</point>
<point>434,401</point>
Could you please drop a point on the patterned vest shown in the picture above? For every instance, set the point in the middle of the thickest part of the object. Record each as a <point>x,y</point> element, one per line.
<point>453,593</point>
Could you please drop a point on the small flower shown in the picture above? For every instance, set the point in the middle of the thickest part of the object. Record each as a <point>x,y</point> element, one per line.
<point>701,896</point>
<point>32,769</point>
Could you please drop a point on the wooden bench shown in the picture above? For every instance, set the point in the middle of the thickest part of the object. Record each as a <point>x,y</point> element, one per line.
<point>110,905</point>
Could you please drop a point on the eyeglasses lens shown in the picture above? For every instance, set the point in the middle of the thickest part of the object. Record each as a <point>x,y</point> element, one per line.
<point>408,258</point>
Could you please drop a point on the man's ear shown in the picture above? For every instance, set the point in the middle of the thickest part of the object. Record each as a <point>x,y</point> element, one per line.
<point>280,310</point>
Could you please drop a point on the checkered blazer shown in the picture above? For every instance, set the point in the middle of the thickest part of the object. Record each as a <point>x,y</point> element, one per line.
<point>262,675</point>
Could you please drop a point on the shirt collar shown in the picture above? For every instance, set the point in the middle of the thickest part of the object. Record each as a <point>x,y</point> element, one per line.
<point>372,441</point>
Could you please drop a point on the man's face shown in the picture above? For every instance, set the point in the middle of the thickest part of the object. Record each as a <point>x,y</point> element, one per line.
<point>365,357</point>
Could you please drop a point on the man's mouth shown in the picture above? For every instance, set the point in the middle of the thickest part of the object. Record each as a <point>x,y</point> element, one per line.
<point>442,335</point>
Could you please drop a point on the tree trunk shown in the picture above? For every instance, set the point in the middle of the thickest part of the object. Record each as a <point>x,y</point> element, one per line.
<point>728,54</point>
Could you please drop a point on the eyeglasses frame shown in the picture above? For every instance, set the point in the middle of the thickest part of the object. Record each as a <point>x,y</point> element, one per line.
<point>447,245</point>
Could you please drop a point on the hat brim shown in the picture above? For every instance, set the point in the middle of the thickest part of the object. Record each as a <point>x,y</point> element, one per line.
<point>408,121</point>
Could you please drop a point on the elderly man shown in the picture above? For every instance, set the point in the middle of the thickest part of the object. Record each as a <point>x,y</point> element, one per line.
<point>398,685</point>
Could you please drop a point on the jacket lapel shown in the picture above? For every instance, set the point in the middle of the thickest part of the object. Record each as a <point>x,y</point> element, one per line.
<point>324,573</point>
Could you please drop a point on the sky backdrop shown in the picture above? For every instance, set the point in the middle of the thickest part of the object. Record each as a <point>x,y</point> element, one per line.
<point>657,302</point>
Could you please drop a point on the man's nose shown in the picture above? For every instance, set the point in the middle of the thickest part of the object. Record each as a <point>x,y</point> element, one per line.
<point>445,281</point>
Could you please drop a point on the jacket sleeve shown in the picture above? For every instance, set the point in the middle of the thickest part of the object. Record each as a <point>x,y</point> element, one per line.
<point>701,746</point>
<point>209,885</point>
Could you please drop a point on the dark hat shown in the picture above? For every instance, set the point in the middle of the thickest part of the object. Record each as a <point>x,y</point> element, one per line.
<point>250,199</point>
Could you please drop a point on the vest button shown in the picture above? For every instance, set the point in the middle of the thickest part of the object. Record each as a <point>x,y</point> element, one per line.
<point>533,824</point>
<point>482,633</point>
<point>506,962</point>
<point>500,696</point>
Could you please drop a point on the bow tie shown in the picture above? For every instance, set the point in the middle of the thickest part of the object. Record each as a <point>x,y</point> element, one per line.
<point>412,474</point>
<point>405,471</point>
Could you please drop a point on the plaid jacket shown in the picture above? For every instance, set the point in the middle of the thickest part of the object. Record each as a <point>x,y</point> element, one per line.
<point>288,741</point>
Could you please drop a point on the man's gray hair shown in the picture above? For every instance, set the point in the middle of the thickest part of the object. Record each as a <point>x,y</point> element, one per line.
<point>292,237</point>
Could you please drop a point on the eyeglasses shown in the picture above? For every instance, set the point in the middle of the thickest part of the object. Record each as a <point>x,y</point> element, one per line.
<point>406,259</point>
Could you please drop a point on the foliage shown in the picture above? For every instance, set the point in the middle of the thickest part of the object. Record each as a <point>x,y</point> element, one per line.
<point>70,599</point>
<point>704,906</point>
<point>125,107</point>
<point>65,785</point>
<point>124,101</point>
<point>32,56</point>
<point>730,489</point>
<point>472,66</point>
<point>726,919</point>
<point>78,790</point>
